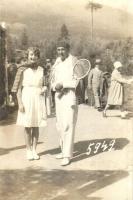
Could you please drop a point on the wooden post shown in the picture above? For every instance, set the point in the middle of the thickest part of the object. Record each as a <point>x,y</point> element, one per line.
<point>3,90</point>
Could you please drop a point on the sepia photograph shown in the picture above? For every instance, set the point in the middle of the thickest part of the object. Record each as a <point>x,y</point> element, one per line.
<point>66,100</point>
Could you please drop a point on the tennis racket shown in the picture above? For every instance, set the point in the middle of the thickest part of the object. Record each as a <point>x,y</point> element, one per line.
<point>81,68</point>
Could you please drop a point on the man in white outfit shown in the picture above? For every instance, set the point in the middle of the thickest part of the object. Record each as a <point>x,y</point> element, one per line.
<point>94,81</point>
<point>65,85</point>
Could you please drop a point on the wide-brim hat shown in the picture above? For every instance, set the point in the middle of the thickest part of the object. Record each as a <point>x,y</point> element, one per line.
<point>117,64</point>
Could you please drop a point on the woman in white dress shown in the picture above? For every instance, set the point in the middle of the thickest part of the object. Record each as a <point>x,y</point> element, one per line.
<point>116,95</point>
<point>31,102</point>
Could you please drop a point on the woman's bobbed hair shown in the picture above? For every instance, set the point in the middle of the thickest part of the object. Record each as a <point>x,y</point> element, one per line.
<point>35,50</point>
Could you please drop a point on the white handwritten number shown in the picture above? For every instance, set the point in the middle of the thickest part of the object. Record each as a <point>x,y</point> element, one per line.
<point>111,144</point>
<point>97,147</point>
<point>104,145</point>
<point>89,148</point>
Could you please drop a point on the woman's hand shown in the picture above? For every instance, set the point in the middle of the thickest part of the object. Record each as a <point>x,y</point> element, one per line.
<point>21,108</point>
<point>43,90</point>
<point>130,81</point>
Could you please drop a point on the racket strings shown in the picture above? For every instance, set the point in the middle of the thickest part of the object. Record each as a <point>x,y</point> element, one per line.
<point>81,68</point>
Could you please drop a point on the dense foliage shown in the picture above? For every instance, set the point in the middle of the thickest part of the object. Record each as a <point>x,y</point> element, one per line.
<point>82,46</point>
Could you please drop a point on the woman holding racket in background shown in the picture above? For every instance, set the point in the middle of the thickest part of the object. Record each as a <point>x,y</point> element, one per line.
<point>116,90</point>
<point>64,83</point>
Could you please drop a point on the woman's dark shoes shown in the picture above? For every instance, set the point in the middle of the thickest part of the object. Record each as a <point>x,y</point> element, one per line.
<point>99,109</point>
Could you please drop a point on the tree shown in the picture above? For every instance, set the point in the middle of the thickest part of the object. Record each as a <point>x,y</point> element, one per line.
<point>10,48</point>
<point>2,65</point>
<point>93,7</point>
<point>64,35</point>
<point>24,40</point>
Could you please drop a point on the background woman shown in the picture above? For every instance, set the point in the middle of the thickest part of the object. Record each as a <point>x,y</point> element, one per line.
<point>116,96</point>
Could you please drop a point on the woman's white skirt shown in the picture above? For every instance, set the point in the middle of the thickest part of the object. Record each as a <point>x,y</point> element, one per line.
<point>35,109</point>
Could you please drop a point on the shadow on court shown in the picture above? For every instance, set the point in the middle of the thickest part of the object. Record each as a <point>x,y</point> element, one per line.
<point>88,148</point>
<point>55,184</point>
<point>9,120</point>
<point>4,151</point>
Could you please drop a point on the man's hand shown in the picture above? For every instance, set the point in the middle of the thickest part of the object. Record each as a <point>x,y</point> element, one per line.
<point>21,108</point>
<point>59,87</point>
